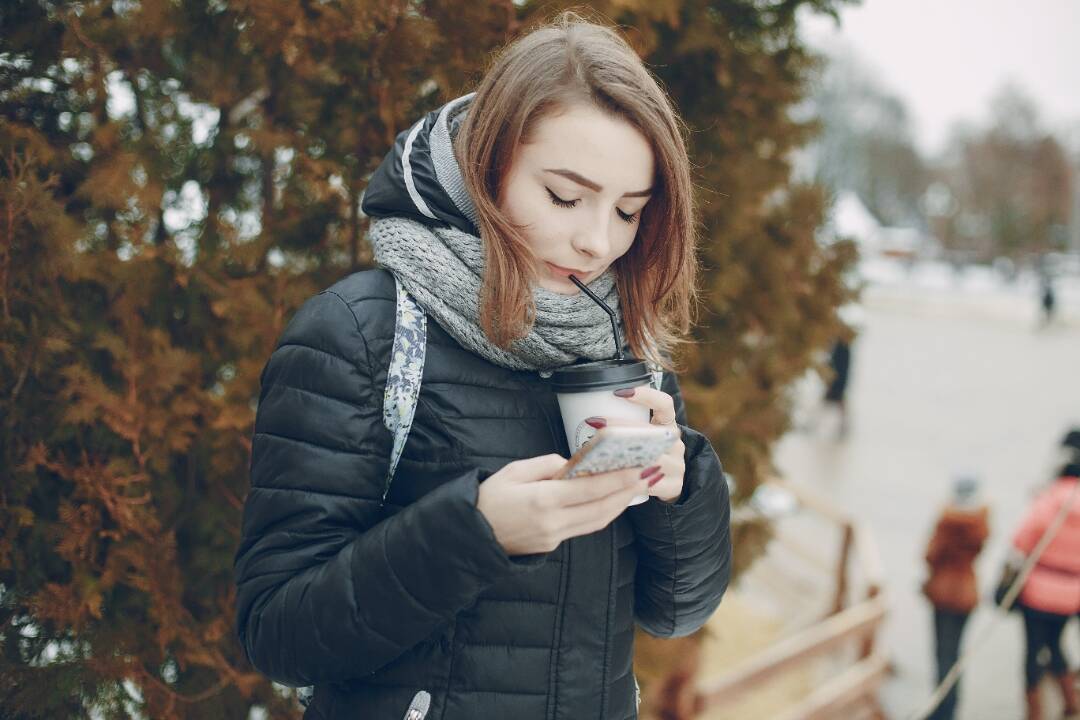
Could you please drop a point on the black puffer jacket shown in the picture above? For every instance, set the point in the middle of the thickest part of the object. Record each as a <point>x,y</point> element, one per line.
<point>372,604</point>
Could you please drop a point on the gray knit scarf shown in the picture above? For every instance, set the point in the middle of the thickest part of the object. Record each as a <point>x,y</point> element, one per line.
<point>443,270</point>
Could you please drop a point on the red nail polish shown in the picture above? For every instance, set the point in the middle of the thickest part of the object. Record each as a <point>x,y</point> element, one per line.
<point>649,471</point>
<point>596,422</point>
<point>625,392</point>
<point>656,479</point>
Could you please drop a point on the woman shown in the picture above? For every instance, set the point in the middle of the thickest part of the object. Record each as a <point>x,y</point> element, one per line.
<point>1051,593</point>
<point>498,591</point>
<point>958,538</point>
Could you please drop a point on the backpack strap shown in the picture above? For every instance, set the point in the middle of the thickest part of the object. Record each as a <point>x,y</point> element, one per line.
<point>404,376</point>
<point>401,394</point>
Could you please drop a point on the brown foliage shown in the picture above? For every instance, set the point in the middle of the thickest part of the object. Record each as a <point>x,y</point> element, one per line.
<point>176,178</point>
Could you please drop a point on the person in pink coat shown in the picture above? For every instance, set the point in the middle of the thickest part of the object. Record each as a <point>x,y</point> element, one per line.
<point>1051,594</point>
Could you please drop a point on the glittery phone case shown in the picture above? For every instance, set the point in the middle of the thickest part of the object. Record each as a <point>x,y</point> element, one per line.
<point>618,448</point>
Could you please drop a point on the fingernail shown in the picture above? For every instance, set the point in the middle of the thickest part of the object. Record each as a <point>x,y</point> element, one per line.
<point>596,422</point>
<point>649,471</point>
<point>625,392</point>
<point>656,479</point>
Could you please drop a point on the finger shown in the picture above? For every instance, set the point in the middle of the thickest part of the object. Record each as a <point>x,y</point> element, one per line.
<point>667,487</point>
<point>590,517</point>
<point>581,490</point>
<point>672,463</point>
<point>537,468</point>
<point>677,451</point>
<point>660,403</point>
<point>599,423</point>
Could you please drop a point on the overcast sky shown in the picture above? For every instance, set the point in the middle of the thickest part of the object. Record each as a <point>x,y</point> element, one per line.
<point>946,58</point>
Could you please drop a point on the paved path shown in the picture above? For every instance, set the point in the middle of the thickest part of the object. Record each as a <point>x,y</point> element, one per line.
<point>940,382</point>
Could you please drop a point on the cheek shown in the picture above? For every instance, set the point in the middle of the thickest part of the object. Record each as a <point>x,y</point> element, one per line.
<point>624,241</point>
<point>517,204</point>
<point>540,221</point>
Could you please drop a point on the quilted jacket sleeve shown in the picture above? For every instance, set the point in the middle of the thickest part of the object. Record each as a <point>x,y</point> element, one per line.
<point>684,548</point>
<point>325,591</point>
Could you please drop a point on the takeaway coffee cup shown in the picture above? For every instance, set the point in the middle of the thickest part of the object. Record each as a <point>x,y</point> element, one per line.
<point>587,390</point>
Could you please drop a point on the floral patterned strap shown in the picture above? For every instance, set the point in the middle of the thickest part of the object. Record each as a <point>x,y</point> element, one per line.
<point>403,377</point>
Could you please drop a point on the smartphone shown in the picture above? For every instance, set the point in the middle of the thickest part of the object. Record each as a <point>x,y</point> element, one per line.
<point>618,448</point>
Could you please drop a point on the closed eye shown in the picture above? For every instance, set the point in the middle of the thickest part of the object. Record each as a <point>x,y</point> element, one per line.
<point>559,201</point>
<point>555,199</point>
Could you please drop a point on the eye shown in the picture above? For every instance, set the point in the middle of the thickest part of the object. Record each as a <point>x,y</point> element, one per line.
<point>630,219</point>
<point>559,201</point>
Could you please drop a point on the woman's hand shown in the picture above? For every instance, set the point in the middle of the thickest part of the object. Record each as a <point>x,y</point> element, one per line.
<point>531,513</point>
<point>672,463</point>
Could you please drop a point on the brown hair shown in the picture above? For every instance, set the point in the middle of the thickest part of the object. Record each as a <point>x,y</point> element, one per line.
<point>573,60</point>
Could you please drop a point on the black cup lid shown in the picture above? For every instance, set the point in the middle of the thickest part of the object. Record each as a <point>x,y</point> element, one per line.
<point>600,375</point>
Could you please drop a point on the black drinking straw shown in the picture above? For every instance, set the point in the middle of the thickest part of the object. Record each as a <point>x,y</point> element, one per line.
<point>609,311</point>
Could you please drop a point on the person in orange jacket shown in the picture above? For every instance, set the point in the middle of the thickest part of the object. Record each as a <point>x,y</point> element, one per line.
<point>1051,593</point>
<point>958,537</point>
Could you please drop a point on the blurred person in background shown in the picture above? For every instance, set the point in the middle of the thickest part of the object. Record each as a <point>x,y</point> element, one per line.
<point>1065,452</point>
<point>952,589</point>
<point>836,393</point>
<point>1049,300</point>
<point>1051,593</point>
<point>1070,446</point>
<point>839,363</point>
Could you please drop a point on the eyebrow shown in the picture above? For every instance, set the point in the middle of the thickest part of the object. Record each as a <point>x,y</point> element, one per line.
<point>571,175</point>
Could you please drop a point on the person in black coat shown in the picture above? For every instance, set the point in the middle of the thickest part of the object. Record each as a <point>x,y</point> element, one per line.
<point>836,392</point>
<point>471,576</point>
<point>1048,300</point>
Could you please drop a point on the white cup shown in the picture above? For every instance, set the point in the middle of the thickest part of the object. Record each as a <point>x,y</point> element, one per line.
<point>587,390</point>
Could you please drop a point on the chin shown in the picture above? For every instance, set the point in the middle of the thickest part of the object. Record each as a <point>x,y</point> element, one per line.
<point>567,288</point>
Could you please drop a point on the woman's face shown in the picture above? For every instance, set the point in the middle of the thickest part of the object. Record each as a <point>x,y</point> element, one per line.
<point>576,190</point>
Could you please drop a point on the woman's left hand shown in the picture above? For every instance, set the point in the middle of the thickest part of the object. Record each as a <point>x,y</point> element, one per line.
<point>672,463</point>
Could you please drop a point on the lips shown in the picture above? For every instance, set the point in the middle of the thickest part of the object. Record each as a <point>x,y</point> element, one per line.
<point>567,272</point>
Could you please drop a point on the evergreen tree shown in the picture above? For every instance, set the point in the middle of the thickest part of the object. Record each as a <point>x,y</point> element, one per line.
<point>177,177</point>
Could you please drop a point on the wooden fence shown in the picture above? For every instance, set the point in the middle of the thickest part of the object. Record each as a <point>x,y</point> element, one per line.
<point>853,621</point>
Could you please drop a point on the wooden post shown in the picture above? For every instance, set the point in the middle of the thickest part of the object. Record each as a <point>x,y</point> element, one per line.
<point>842,569</point>
<point>870,563</point>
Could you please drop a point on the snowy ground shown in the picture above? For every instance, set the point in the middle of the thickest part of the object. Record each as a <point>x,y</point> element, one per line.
<point>950,373</point>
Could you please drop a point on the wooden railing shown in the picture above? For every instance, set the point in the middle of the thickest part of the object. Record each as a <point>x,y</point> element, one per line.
<point>851,692</point>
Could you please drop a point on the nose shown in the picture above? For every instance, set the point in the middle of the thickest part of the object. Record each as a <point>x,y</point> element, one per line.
<point>593,239</point>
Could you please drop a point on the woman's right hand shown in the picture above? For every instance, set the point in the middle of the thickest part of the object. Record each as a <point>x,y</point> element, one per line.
<point>531,513</point>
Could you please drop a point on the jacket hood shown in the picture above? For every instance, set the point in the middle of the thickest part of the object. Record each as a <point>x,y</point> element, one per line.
<point>420,178</point>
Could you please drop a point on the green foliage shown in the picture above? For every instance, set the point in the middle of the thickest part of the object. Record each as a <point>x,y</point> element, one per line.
<point>177,177</point>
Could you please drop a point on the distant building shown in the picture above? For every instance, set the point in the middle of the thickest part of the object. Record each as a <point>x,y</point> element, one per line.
<point>851,218</point>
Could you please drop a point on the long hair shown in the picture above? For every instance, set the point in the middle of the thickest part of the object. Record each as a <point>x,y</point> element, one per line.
<point>563,62</point>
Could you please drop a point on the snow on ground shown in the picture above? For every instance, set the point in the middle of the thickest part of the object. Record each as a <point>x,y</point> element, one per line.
<point>951,372</point>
